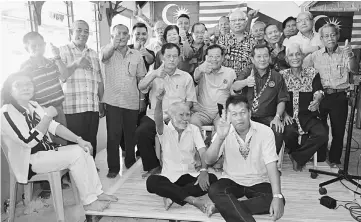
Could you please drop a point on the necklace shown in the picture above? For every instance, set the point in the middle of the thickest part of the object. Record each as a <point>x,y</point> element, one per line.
<point>256,96</point>
<point>243,147</point>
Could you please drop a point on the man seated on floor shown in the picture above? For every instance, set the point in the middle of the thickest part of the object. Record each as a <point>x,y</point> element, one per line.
<point>180,140</point>
<point>250,166</point>
<point>180,88</point>
<point>214,86</point>
<point>305,88</point>
<point>267,92</point>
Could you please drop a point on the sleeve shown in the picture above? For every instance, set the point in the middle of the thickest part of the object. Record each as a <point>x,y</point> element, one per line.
<point>316,83</point>
<point>283,95</point>
<point>161,137</point>
<point>197,137</point>
<point>269,153</point>
<point>141,70</point>
<point>244,73</point>
<point>158,60</point>
<point>190,91</point>
<point>221,150</point>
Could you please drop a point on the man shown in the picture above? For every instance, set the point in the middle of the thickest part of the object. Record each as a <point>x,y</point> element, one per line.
<point>198,46</point>
<point>334,64</point>
<point>267,93</point>
<point>258,32</point>
<point>250,166</point>
<point>83,87</point>
<point>289,27</point>
<point>179,182</point>
<point>223,24</point>
<point>156,43</point>
<point>238,44</point>
<point>179,86</point>
<point>214,87</point>
<point>305,88</point>
<point>278,51</point>
<point>183,23</point>
<point>306,38</point>
<point>124,67</point>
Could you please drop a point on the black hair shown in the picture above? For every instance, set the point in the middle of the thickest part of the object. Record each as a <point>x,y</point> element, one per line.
<point>140,25</point>
<point>167,29</point>
<point>237,99</point>
<point>31,35</point>
<point>215,46</point>
<point>284,23</point>
<point>198,23</point>
<point>169,46</point>
<point>7,98</point>
<point>271,24</point>
<point>183,16</point>
<point>260,46</point>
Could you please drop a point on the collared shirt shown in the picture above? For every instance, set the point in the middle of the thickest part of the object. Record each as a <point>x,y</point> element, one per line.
<point>81,88</point>
<point>48,90</point>
<point>179,154</point>
<point>304,41</point>
<point>301,92</point>
<point>333,68</point>
<point>215,88</point>
<point>274,93</point>
<point>179,87</point>
<point>247,167</point>
<point>237,54</point>
<point>154,45</point>
<point>198,57</point>
<point>279,62</point>
<point>20,139</point>
<point>144,60</point>
<point>121,73</point>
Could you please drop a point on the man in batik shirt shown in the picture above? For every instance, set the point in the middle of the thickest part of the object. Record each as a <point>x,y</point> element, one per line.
<point>305,89</point>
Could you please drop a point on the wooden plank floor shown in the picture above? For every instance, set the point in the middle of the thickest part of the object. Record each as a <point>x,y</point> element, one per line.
<point>300,191</point>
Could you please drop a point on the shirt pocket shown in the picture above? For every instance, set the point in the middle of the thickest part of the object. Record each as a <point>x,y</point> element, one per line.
<point>180,91</point>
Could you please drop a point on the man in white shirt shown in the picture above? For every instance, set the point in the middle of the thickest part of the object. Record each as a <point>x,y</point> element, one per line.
<point>250,166</point>
<point>179,181</point>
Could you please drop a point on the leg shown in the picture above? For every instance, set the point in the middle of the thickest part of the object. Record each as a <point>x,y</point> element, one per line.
<point>114,132</point>
<point>93,126</point>
<point>187,183</point>
<point>324,112</point>
<point>290,136</point>
<point>129,123</point>
<point>145,136</point>
<point>278,136</point>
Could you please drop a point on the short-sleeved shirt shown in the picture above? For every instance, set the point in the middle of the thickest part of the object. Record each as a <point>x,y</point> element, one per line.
<point>215,88</point>
<point>333,68</point>
<point>179,155</point>
<point>145,61</point>
<point>304,41</point>
<point>247,167</point>
<point>81,88</point>
<point>48,90</point>
<point>121,73</point>
<point>237,54</point>
<point>179,87</point>
<point>301,92</point>
<point>274,93</point>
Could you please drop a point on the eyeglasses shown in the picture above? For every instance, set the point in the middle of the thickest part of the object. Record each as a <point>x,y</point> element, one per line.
<point>332,36</point>
<point>198,33</point>
<point>214,57</point>
<point>23,85</point>
<point>238,20</point>
<point>303,20</point>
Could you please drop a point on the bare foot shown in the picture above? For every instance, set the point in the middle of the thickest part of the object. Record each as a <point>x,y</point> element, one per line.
<point>107,197</point>
<point>153,171</point>
<point>211,209</point>
<point>97,206</point>
<point>167,203</point>
<point>200,204</point>
<point>295,165</point>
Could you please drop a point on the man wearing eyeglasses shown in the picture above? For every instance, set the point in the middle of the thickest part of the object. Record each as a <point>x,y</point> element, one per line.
<point>156,44</point>
<point>124,68</point>
<point>198,46</point>
<point>334,65</point>
<point>306,38</point>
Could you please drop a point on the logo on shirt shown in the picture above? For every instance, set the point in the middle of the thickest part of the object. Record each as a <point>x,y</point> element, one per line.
<point>271,84</point>
<point>225,81</point>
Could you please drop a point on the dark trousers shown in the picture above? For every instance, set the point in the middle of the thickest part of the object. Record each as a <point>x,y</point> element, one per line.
<point>145,139</point>
<point>336,106</point>
<point>225,193</point>
<point>315,138</point>
<point>288,135</point>
<point>178,191</point>
<point>85,125</point>
<point>120,122</point>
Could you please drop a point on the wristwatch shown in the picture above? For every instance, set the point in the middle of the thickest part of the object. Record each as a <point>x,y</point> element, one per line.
<point>279,117</point>
<point>278,195</point>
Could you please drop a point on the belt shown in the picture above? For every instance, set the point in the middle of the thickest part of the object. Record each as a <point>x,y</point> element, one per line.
<point>331,91</point>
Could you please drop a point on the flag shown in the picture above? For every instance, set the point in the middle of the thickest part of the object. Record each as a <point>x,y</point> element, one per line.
<point>210,12</point>
<point>356,31</point>
<point>169,11</point>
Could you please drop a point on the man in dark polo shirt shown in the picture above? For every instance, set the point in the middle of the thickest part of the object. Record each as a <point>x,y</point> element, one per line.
<point>267,94</point>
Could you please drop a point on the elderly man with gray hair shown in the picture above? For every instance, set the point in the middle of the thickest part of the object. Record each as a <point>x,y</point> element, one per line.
<point>305,89</point>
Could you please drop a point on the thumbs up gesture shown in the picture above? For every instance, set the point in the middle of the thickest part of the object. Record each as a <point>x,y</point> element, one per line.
<point>217,32</point>
<point>276,50</point>
<point>54,50</point>
<point>347,49</point>
<point>142,49</point>
<point>252,14</point>
<point>183,35</point>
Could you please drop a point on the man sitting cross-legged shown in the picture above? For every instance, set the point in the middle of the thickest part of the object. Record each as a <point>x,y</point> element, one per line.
<point>250,166</point>
<point>179,181</point>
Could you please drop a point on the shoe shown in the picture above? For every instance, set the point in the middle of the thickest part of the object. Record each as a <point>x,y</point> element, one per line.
<point>112,175</point>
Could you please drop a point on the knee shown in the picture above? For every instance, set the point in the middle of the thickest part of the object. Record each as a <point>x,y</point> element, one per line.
<point>212,178</point>
<point>322,136</point>
<point>214,190</point>
<point>77,151</point>
<point>151,183</point>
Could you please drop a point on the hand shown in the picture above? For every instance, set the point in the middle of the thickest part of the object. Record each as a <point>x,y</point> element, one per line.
<point>347,49</point>
<point>276,209</point>
<point>287,120</point>
<point>217,32</point>
<point>183,35</point>
<point>203,180</point>
<point>224,124</point>
<point>101,110</point>
<point>252,14</point>
<point>160,94</point>
<point>160,72</point>
<point>277,50</point>
<point>139,9</point>
<point>278,124</point>
<point>87,147</point>
<point>250,81</point>
<point>143,51</point>
<point>206,67</point>
<point>115,41</point>
<point>54,50</point>
<point>314,105</point>
<point>310,49</point>
<point>51,111</point>
<point>135,12</point>
<point>142,105</point>
<point>317,96</point>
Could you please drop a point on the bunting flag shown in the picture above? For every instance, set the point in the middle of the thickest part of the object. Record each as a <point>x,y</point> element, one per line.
<point>356,31</point>
<point>210,12</point>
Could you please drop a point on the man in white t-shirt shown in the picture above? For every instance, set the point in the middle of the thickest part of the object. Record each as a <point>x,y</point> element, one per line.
<point>250,166</point>
<point>214,87</point>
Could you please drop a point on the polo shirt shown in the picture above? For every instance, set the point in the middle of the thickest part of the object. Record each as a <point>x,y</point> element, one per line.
<point>179,155</point>
<point>274,93</point>
<point>215,88</point>
<point>144,60</point>
<point>121,73</point>
<point>304,41</point>
<point>179,87</point>
<point>333,68</point>
<point>247,167</point>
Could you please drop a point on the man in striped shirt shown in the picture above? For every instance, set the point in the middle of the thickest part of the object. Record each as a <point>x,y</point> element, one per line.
<point>46,75</point>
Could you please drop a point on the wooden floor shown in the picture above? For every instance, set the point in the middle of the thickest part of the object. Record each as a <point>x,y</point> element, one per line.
<point>300,191</point>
